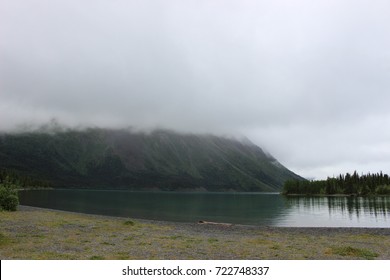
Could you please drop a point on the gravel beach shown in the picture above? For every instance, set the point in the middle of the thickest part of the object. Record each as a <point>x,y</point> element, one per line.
<point>36,233</point>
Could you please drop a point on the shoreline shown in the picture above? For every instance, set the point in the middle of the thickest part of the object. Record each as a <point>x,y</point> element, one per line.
<point>221,226</point>
<point>39,233</point>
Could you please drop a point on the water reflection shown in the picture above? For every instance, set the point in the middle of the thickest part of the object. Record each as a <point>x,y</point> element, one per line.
<point>184,207</point>
<point>341,211</point>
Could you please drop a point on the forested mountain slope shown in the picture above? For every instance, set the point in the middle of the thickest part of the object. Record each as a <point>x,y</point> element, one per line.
<point>159,160</point>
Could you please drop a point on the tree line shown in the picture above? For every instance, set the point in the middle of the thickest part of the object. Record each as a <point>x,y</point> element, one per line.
<point>348,184</point>
<point>21,181</point>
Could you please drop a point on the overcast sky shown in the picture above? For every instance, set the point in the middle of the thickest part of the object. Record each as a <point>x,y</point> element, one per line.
<point>307,80</point>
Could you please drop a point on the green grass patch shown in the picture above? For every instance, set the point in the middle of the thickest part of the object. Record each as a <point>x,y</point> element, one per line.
<point>173,237</point>
<point>193,240</point>
<point>122,256</point>
<point>3,239</point>
<point>354,252</point>
<point>129,223</point>
<point>97,258</point>
<point>40,236</point>
<point>212,240</point>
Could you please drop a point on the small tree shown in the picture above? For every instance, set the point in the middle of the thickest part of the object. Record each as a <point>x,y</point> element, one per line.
<point>9,200</point>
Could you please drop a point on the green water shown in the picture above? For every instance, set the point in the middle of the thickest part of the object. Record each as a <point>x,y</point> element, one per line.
<point>267,209</point>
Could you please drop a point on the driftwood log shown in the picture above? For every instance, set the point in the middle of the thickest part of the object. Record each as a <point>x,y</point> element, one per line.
<point>214,223</point>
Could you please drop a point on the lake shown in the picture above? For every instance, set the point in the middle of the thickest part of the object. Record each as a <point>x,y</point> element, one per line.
<point>266,209</point>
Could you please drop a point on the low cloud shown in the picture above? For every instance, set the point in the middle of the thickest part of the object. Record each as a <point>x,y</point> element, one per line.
<point>307,80</point>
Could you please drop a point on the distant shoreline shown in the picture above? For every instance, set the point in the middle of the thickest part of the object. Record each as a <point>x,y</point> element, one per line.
<point>184,191</point>
<point>335,195</point>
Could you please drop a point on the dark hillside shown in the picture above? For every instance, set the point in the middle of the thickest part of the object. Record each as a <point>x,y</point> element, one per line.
<point>163,160</point>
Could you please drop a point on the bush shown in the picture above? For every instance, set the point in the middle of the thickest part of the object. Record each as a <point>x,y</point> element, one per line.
<point>129,223</point>
<point>9,200</point>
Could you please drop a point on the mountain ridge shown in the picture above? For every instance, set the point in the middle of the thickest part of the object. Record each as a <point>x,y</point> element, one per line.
<point>156,160</point>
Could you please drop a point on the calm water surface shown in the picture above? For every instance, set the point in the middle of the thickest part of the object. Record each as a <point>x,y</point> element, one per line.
<point>268,209</point>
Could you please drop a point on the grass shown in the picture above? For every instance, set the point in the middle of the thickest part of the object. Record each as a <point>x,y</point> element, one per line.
<point>212,240</point>
<point>97,258</point>
<point>354,252</point>
<point>44,234</point>
<point>128,238</point>
<point>173,237</point>
<point>3,239</point>
<point>129,223</point>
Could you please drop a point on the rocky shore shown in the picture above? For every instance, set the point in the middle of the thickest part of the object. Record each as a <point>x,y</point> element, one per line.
<point>36,233</point>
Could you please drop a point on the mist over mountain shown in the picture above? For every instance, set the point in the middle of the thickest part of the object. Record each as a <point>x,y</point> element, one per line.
<point>157,160</point>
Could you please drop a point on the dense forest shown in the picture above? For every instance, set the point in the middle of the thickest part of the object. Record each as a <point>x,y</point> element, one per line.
<point>348,184</point>
<point>22,182</point>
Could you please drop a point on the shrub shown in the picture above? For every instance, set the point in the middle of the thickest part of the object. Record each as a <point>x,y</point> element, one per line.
<point>9,200</point>
<point>129,223</point>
